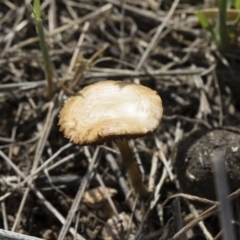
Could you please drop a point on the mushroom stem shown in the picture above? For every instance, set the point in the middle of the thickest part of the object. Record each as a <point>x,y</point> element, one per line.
<point>134,172</point>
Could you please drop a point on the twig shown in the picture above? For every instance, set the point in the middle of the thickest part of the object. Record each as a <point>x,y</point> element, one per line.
<point>78,198</point>
<point>47,204</point>
<point>154,40</point>
<point>187,119</point>
<point>8,235</point>
<point>201,224</point>
<point>103,10</point>
<point>209,212</point>
<point>38,153</point>
<point>154,168</point>
<point>40,168</point>
<point>220,98</point>
<point>4,216</point>
<point>110,74</point>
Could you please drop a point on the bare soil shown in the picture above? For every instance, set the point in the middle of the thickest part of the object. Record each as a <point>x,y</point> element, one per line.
<point>193,164</point>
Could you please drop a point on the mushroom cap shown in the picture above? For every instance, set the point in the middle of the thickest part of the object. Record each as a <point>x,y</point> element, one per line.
<point>108,110</point>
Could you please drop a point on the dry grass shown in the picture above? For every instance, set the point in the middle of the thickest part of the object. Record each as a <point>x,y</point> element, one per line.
<point>156,43</point>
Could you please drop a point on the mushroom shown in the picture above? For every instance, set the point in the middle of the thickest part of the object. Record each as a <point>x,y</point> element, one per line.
<point>113,110</point>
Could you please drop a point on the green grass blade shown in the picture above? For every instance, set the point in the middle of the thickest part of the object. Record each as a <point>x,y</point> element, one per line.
<point>221,32</point>
<point>237,4</point>
<point>203,20</point>
<point>44,49</point>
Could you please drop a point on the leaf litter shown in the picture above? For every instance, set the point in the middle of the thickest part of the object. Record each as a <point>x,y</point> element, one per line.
<point>45,180</point>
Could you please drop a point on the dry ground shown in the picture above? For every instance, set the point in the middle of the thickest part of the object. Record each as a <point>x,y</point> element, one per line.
<point>156,43</point>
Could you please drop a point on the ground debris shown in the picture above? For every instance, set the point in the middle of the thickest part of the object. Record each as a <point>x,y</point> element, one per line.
<point>159,44</point>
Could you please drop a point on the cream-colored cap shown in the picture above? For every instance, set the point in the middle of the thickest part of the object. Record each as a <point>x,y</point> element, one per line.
<point>110,110</point>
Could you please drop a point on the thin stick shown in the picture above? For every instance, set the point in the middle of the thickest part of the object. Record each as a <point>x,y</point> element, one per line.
<point>100,11</point>
<point>100,181</point>
<point>78,198</point>
<point>77,49</point>
<point>154,168</point>
<point>42,199</point>
<point>155,38</point>
<point>4,216</point>
<point>220,98</point>
<point>38,153</point>
<point>201,224</point>
<point>209,212</point>
<point>40,168</point>
<point>7,235</point>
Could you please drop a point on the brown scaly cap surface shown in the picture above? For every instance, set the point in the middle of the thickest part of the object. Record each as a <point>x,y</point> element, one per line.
<point>110,109</point>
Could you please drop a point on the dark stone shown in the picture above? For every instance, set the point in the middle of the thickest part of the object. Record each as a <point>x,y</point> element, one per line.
<point>192,161</point>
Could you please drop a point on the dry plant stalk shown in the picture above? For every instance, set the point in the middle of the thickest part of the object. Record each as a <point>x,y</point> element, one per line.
<point>8,235</point>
